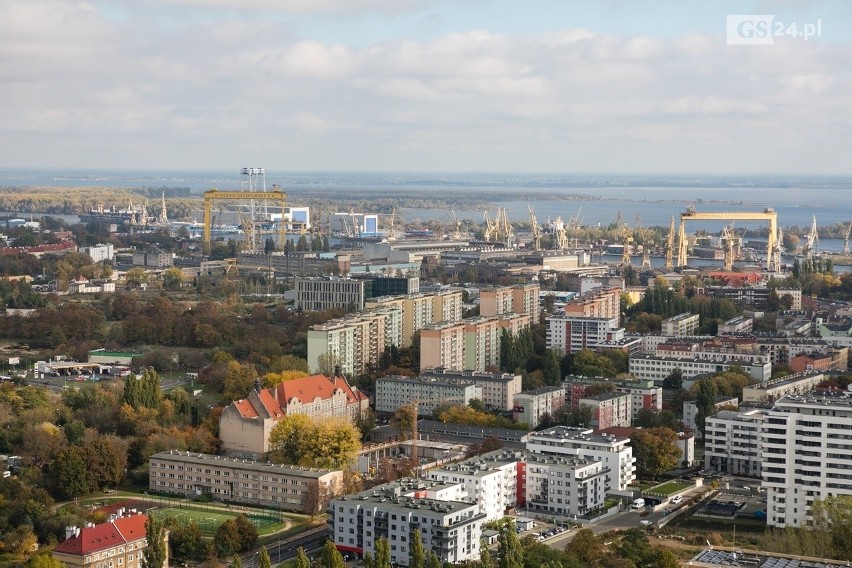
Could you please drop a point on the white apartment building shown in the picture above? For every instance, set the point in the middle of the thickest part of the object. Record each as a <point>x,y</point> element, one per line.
<point>327,292</point>
<point>807,454</point>
<point>530,406</point>
<point>732,442</point>
<point>680,325</point>
<point>613,452</point>
<point>489,480</point>
<point>99,252</point>
<point>498,389</point>
<point>333,340</point>
<point>394,392</point>
<point>563,485</point>
<point>653,368</point>
<point>568,334</point>
<point>450,529</point>
<point>739,324</point>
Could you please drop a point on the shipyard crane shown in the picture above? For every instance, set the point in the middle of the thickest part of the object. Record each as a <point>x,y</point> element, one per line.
<point>504,227</point>
<point>490,228</point>
<point>625,252</point>
<point>728,246</point>
<point>561,235</point>
<point>812,241</point>
<point>670,246</point>
<point>846,238</point>
<point>773,259</point>
<point>536,230</point>
<point>456,225</point>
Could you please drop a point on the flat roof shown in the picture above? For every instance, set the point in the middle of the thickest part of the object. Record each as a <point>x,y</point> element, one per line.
<point>210,459</point>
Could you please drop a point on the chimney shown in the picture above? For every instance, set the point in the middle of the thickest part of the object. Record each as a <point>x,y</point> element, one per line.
<point>71,531</point>
<point>337,371</point>
<point>257,385</point>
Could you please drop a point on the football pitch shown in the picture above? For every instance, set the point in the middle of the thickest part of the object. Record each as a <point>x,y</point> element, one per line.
<point>208,521</point>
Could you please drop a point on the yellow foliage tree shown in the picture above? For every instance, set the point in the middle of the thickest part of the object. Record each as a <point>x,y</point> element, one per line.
<point>297,439</point>
<point>273,379</point>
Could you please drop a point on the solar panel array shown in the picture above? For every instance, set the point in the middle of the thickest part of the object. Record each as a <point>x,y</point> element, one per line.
<point>726,558</point>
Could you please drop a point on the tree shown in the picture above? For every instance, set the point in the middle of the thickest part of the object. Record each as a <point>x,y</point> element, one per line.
<point>45,561</point>
<point>705,401</point>
<point>586,547</point>
<point>227,539</point>
<point>263,560</point>
<point>172,279</point>
<point>154,555</point>
<point>268,245</point>
<point>418,555</point>
<point>186,542</point>
<point>297,439</point>
<point>550,368</point>
<point>328,363</point>
<point>330,557</point>
<point>663,558</point>
<point>302,560</point>
<point>382,547</point>
<point>315,499</point>
<point>236,562</point>
<point>509,551</point>
<point>69,474</point>
<point>674,380</point>
<point>433,561</point>
<point>655,450</point>
<point>485,558</point>
<point>832,517</point>
<point>247,532</point>
<point>404,419</point>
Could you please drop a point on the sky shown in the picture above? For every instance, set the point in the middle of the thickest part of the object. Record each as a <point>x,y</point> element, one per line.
<point>607,86</point>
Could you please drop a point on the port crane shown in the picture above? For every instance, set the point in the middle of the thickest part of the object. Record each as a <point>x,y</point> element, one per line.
<point>773,258</point>
<point>536,230</point>
<point>846,238</point>
<point>809,250</point>
<point>216,195</point>
<point>670,246</point>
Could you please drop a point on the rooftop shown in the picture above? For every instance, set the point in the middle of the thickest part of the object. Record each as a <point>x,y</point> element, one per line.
<point>210,459</point>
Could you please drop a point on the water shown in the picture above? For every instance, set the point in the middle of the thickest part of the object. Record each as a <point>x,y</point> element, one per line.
<point>656,198</point>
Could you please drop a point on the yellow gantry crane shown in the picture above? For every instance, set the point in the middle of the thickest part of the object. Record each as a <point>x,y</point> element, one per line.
<point>773,258</point>
<point>536,230</point>
<point>216,195</point>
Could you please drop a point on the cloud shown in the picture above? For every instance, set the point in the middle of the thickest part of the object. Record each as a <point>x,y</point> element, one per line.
<point>85,86</point>
<point>303,6</point>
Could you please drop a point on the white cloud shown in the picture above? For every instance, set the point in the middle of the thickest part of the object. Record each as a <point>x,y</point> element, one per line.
<point>302,6</point>
<point>85,87</point>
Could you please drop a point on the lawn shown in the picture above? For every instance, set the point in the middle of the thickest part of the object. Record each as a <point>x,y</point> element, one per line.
<point>670,487</point>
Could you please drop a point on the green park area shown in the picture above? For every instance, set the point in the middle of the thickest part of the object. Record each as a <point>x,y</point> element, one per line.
<point>670,487</point>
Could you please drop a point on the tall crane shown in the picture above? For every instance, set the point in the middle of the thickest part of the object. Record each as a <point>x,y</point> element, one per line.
<point>812,241</point>
<point>456,225</point>
<point>670,246</point>
<point>728,246</point>
<point>536,230</point>
<point>490,228</point>
<point>846,238</point>
<point>415,405</point>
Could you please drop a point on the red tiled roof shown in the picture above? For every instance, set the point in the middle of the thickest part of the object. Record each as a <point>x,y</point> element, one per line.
<point>104,535</point>
<point>306,389</point>
<point>132,527</point>
<point>245,408</point>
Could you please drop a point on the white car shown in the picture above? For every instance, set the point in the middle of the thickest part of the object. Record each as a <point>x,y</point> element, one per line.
<point>646,523</point>
<point>677,499</point>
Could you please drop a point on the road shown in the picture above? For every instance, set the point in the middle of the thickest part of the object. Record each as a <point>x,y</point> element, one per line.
<point>284,549</point>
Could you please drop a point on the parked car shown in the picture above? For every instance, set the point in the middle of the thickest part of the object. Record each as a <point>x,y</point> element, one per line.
<point>646,523</point>
<point>677,499</point>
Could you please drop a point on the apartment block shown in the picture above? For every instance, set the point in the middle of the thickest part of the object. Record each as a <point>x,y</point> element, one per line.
<point>833,360</point>
<point>757,296</point>
<point>514,323</point>
<point>568,334</point>
<point>481,343</point>
<point>564,485</point>
<point>612,451</point>
<point>609,410</point>
<point>449,528</point>
<point>653,368</point>
<point>807,454</point>
<point>447,304</point>
<point>737,325</point>
<point>333,341</point>
<point>419,310</point>
<point>498,389</point>
<point>732,442</point>
<point>442,345</point>
<point>680,325</point>
<point>99,252</point>
<point>498,300</point>
<point>532,405</point>
<point>324,293</point>
<point>355,342</point>
<point>599,303</point>
<point>278,486</point>
<point>644,395</point>
<point>393,392</point>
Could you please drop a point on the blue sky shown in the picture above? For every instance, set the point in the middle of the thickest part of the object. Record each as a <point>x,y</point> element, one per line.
<point>540,85</point>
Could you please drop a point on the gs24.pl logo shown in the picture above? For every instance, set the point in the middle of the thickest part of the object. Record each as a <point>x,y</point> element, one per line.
<point>762,29</point>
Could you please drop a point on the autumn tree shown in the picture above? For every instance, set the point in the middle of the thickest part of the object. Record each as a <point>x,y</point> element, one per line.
<point>330,444</point>
<point>418,555</point>
<point>404,419</point>
<point>383,557</point>
<point>154,555</point>
<point>655,450</point>
<point>509,551</point>
<point>263,560</point>
<point>330,556</point>
<point>302,560</point>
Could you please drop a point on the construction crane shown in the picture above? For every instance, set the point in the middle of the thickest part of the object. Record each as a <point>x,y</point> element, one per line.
<point>456,225</point>
<point>670,246</point>
<point>490,228</point>
<point>536,230</point>
<point>504,227</point>
<point>846,238</point>
<point>561,235</point>
<point>812,241</point>
<point>216,195</point>
<point>728,247</point>
<point>627,240</point>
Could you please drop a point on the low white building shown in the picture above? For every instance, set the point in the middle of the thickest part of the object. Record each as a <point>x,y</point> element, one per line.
<point>99,252</point>
<point>680,325</point>
<point>567,334</point>
<point>613,452</point>
<point>430,391</point>
<point>498,389</point>
<point>653,368</point>
<point>564,485</point>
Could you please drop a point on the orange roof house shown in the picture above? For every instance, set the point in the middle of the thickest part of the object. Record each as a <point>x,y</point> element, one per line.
<point>117,543</point>
<point>245,425</point>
